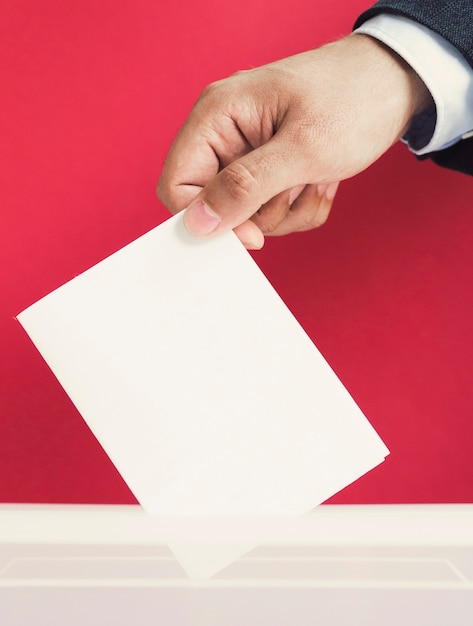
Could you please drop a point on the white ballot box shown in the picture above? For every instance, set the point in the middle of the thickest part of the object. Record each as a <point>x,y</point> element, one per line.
<point>367,565</point>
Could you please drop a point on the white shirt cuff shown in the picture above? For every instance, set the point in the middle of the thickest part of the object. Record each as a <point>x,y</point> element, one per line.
<point>445,72</point>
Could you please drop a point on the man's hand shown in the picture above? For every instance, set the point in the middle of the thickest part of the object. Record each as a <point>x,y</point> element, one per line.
<point>262,152</point>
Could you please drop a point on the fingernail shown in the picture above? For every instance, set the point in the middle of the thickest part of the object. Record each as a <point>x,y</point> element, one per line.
<point>331,191</point>
<point>294,193</point>
<point>200,220</point>
<point>253,243</point>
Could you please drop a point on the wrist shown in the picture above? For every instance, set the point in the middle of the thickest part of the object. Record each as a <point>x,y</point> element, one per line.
<point>398,80</point>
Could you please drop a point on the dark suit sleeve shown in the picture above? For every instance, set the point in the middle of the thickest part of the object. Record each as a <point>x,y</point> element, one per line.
<point>453,20</point>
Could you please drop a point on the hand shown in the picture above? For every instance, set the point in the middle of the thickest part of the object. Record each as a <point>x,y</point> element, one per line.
<point>262,152</point>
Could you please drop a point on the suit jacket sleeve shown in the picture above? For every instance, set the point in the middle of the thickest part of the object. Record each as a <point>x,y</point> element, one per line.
<point>453,20</point>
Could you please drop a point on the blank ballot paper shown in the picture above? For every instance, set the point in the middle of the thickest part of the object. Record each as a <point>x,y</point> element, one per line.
<point>201,386</point>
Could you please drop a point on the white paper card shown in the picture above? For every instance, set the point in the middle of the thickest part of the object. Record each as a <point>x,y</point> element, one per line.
<point>201,386</point>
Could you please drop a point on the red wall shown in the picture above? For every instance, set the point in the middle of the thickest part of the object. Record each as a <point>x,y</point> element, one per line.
<point>92,95</point>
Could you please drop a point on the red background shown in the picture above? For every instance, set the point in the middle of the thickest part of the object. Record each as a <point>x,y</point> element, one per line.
<point>92,95</point>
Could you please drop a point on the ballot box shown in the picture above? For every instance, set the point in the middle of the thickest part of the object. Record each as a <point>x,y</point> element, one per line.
<point>338,565</point>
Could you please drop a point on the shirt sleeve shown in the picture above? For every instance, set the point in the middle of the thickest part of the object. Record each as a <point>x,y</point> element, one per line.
<point>445,72</point>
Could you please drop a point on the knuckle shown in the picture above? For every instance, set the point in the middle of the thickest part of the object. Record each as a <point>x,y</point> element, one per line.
<point>212,89</point>
<point>208,90</point>
<point>237,181</point>
<point>167,196</point>
<point>306,222</point>
<point>241,74</point>
<point>268,221</point>
<point>316,220</point>
<point>269,227</point>
<point>162,191</point>
<point>266,225</point>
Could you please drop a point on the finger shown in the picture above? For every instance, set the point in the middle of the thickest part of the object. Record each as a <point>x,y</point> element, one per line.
<point>240,189</point>
<point>178,197</point>
<point>331,190</point>
<point>197,154</point>
<point>250,235</point>
<point>310,210</point>
<point>191,163</point>
<point>271,214</point>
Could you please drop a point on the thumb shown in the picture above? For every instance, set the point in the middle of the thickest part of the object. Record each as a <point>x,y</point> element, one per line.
<point>241,188</point>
